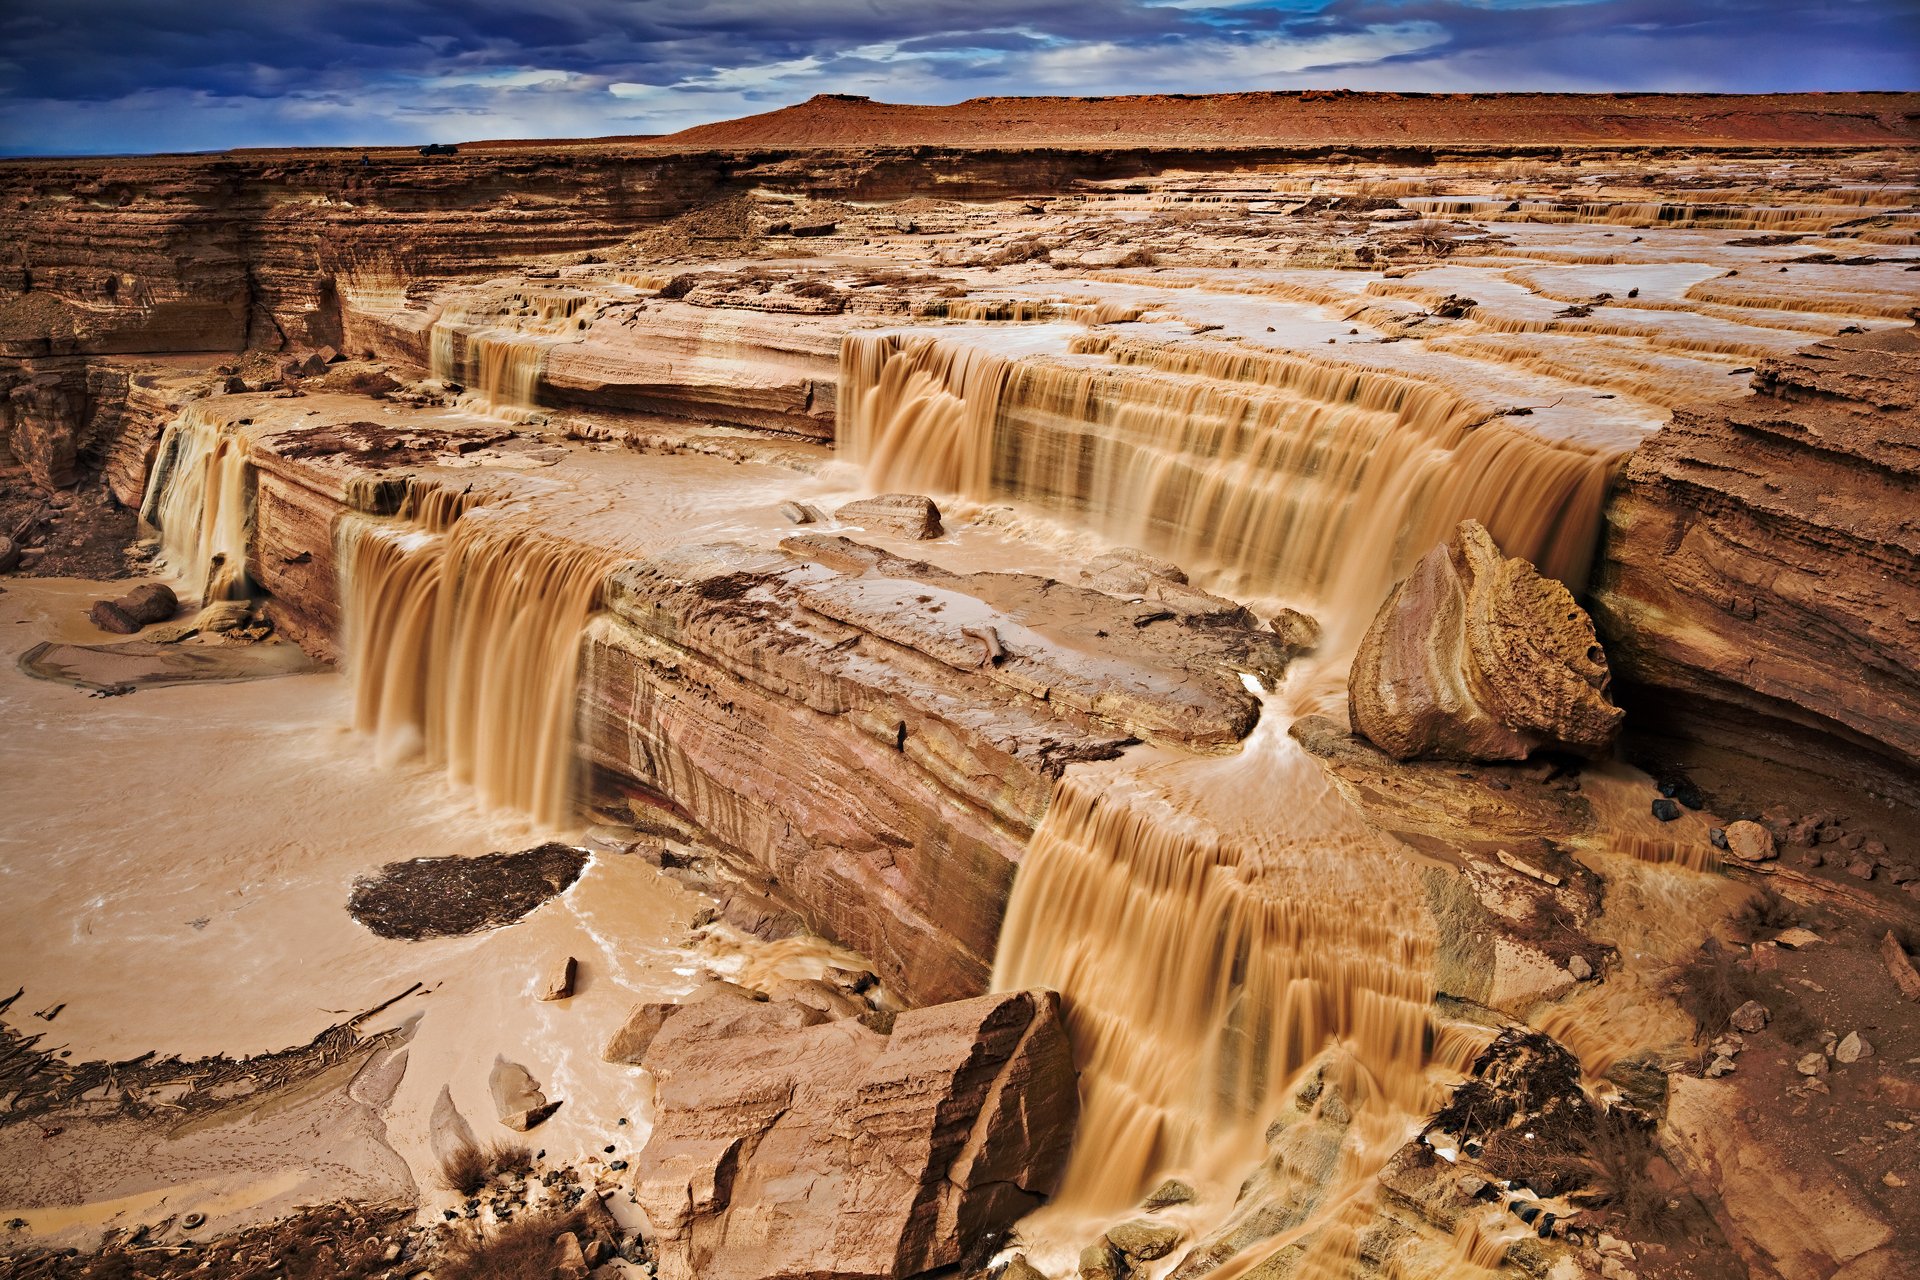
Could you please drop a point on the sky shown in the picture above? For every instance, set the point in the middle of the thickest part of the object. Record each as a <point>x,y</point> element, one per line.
<point>123,76</point>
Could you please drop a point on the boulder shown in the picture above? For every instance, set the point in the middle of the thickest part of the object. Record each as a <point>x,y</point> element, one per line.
<point>629,1044</point>
<point>1750,842</point>
<point>905,515</point>
<point>1475,656</point>
<point>786,1146</point>
<point>517,1098</point>
<point>1144,1241</point>
<point>149,602</point>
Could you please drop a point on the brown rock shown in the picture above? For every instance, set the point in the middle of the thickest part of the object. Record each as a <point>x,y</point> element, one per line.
<point>557,984</point>
<point>913,1144</point>
<point>905,515</point>
<point>1750,1017</point>
<point>1475,656</point>
<point>1785,1207</point>
<point>1750,842</point>
<point>517,1098</point>
<point>1899,967</point>
<point>629,1044</point>
<point>1144,1241</point>
<point>146,603</point>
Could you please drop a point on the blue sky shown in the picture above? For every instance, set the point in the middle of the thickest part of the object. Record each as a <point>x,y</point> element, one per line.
<point>88,76</point>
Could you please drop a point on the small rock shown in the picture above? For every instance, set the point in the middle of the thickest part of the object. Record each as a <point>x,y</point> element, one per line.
<point>798,513</point>
<point>1720,1066</point>
<point>1852,1048</point>
<point>1717,836</point>
<point>1143,1241</point>
<point>1751,1017</point>
<point>1892,1179</point>
<point>1812,1064</point>
<point>1579,968</point>
<point>1860,869</point>
<point>1171,1192</point>
<point>10,553</point>
<point>1796,938</point>
<point>1751,842</point>
<point>1666,810</point>
<point>558,983</point>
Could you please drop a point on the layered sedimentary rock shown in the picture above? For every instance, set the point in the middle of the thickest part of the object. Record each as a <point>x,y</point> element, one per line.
<point>829,711</point>
<point>1475,656</point>
<point>1759,591</point>
<point>789,1147</point>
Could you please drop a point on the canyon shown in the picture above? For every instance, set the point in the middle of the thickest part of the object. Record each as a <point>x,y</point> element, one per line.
<point>1264,685</point>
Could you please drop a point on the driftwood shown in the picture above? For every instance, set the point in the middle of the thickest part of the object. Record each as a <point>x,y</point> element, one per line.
<point>993,653</point>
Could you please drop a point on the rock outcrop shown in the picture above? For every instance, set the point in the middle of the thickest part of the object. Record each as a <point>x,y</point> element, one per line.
<point>1475,656</point>
<point>785,1146</point>
<point>1759,587</point>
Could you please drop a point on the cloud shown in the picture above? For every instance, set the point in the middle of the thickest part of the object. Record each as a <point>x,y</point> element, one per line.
<point>130,75</point>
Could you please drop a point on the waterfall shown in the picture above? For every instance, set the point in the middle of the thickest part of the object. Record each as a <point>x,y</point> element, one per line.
<point>463,643</point>
<point>200,496</point>
<point>1263,473</point>
<point>500,348</point>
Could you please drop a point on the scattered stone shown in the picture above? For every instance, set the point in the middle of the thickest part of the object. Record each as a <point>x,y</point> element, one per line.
<point>1298,631</point>
<point>1476,656</point>
<point>1751,842</point>
<point>1717,837</point>
<point>1720,1066</point>
<point>798,513</point>
<point>908,515</point>
<point>517,1097</point>
<point>1751,1017</point>
<point>1860,868</point>
<point>1812,1064</point>
<point>1169,1193</point>
<point>10,554</point>
<point>1852,1048</point>
<point>1796,938</point>
<point>558,982</point>
<point>1144,1241</point>
<point>1579,968</point>
<point>1892,1179</point>
<point>1899,967</point>
<point>1666,810</point>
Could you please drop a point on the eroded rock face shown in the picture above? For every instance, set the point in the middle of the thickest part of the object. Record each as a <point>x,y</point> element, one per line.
<point>788,1146</point>
<point>1475,656</point>
<point>1757,588</point>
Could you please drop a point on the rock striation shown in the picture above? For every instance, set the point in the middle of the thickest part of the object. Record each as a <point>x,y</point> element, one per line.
<point>1759,585</point>
<point>787,1146</point>
<point>1475,656</point>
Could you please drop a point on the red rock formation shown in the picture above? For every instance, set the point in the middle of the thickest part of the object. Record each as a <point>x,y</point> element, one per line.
<point>786,1147</point>
<point>1759,587</point>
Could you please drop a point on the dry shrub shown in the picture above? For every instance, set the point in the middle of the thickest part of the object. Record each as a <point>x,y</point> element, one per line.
<point>522,1249</point>
<point>1710,989</point>
<point>1765,912</point>
<point>468,1168</point>
<point>1609,1165</point>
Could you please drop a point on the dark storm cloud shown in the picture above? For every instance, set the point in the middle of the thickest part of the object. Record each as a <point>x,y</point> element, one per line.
<point>92,75</point>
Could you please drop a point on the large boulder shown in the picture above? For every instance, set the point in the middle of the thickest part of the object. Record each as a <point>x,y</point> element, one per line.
<point>1476,656</point>
<point>784,1146</point>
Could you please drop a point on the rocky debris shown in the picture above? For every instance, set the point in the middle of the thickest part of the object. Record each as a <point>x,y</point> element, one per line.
<point>1101,1261</point>
<point>1665,810</point>
<point>341,1241</point>
<point>1796,938</point>
<point>1475,656</point>
<point>1579,969</point>
<point>1851,1048</point>
<point>1296,630</point>
<point>517,1099</point>
<point>1811,1064</point>
<point>148,602</point>
<point>1755,591</point>
<point>1018,1268</point>
<point>916,1141</point>
<point>904,515</point>
<point>1899,967</point>
<point>1750,842</point>
<point>1784,1206</point>
<point>447,897</point>
<point>798,513</point>
<point>557,982</point>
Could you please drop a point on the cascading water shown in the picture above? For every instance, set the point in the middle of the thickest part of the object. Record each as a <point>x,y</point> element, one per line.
<point>1268,474</point>
<point>500,348</point>
<point>200,496</point>
<point>463,643</point>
